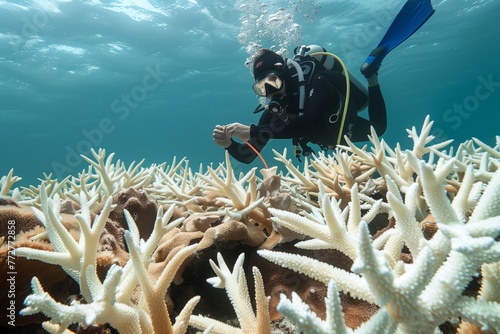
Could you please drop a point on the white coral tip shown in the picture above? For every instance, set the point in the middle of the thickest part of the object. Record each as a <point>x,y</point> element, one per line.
<point>216,282</point>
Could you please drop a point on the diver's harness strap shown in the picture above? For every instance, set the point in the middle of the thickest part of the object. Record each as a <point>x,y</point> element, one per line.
<point>259,108</point>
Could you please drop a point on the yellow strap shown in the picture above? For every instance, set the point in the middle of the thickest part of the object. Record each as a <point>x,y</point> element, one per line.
<point>348,89</point>
<point>297,151</point>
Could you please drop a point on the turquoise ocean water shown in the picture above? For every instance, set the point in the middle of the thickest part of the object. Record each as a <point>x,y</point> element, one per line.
<point>150,79</point>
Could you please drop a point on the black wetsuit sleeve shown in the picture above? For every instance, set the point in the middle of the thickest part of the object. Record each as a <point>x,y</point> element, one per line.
<point>243,152</point>
<point>319,97</point>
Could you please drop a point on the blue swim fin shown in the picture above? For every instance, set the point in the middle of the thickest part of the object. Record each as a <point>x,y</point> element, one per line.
<point>409,19</point>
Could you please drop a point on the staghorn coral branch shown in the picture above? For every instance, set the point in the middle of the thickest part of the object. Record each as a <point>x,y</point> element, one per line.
<point>348,177</point>
<point>300,314</point>
<point>375,140</point>
<point>405,213</point>
<point>6,182</point>
<point>238,215</point>
<point>182,320</point>
<point>55,328</point>
<point>302,179</point>
<point>392,292</point>
<point>460,203</point>
<point>132,178</point>
<point>105,170</point>
<point>359,154</point>
<point>374,267</point>
<point>492,151</point>
<point>490,274</point>
<point>404,169</point>
<point>481,312</point>
<point>41,301</point>
<point>386,170</point>
<point>346,282</point>
<point>161,227</point>
<point>236,287</point>
<point>106,300</point>
<point>67,251</point>
<point>237,290</point>
<point>212,326</point>
<point>82,184</point>
<point>262,304</point>
<point>331,231</point>
<point>354,211</point>
<point>88,243</point>
<point>122,317</point>
<point>229,188</point>
<point>177,191</point>
<point>489,206</point>
<point>334,314</point>
<point>432,184</point>
<point>421,140</point>
<point>155,293</point>
<point>302,225</point>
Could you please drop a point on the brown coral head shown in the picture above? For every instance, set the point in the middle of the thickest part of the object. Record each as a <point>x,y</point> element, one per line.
<point>272,185</point>
<point>222,234</point>
<point>199,222</point>
<point>69,207</point>
<point>281,201</point>
<point>14,218</point>
<point>7,201</point>
<point>141,207</point>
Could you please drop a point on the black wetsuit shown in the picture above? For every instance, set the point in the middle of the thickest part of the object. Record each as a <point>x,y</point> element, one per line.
<point>319,123</point>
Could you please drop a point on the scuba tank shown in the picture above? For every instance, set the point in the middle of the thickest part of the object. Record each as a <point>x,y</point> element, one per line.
<point>324,64</point>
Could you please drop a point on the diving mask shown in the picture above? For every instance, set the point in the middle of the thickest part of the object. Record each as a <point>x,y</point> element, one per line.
<point>268,85</point>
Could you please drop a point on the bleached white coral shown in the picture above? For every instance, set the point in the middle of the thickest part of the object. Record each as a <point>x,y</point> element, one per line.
<point>7,181</point>
<point>108,301</point>
<point>415,297</point>
<point>236,287</point>
<point>332,206</point>
<point>125,318</point>
<point>308,322</point>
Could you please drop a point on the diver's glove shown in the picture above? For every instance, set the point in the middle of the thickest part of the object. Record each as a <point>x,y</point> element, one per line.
<point>220,136</point>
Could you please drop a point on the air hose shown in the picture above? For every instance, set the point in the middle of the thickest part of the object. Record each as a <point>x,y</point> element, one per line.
<point>348,89</point>
<point>255,151</point>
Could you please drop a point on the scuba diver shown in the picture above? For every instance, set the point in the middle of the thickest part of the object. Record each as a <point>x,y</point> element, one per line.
<point>313,115</point>
<point>313,97</point>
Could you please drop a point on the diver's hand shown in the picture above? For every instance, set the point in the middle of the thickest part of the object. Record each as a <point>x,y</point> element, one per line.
<point>220,137</point>
<point>238,130</point>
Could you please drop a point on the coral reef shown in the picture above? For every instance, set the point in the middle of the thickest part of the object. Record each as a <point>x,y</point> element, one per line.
<point>366,240</point>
